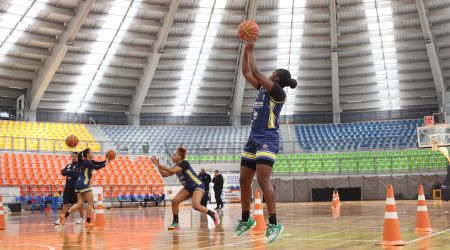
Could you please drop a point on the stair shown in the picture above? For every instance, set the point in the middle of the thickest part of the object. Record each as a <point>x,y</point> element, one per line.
<point>104,142</point>
<point>289,139</point>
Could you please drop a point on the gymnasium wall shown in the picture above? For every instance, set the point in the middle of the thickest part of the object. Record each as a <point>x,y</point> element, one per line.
<point>373,187</point>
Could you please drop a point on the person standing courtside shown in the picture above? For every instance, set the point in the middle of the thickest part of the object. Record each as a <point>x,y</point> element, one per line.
<point>218,187</point>
<point>206,179</point>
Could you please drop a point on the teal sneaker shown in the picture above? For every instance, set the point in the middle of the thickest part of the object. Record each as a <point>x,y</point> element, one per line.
<point>174,226</point>
<point>273,231</point>
<point>243,226</point>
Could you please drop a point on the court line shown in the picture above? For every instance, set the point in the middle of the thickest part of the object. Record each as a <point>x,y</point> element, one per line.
<point>38,245</point>
<point>428,236</point>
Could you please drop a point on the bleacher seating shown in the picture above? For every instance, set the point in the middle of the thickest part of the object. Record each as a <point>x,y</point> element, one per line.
<point>361,162</point>
<point>358,136</point>
<point>345,163</point>
<point>41,136</point>
<point>43,173</point>
<point>220,139</point>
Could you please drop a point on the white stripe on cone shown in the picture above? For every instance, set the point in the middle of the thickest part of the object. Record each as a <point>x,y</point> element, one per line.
<point>258,212</point>
<point>390,201</point>
<point>99,211</point>
<point>1,211</point>
<point>390,215</point>
<point>422,208</point>
<point>1,204</point>
<point>421,197</point>
<point>99,203</point>
<point>257,201</point>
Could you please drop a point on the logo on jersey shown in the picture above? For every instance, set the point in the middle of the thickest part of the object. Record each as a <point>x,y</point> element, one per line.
<point>265,146</point>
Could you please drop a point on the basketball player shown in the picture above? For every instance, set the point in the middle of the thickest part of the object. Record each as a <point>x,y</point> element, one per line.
<point>444,152</point>
<point>71,171</point>
<point>261,149</point>
<point>193,187</point>
<point>83,187</point>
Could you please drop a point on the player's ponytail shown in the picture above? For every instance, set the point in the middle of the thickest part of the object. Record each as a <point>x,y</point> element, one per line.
<point>182,152</point>
<point>285,79</point>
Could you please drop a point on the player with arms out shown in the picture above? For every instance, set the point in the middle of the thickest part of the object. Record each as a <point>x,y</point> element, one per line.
<point>444,152</point>
<point>193,187</point>
<point>261,149</point>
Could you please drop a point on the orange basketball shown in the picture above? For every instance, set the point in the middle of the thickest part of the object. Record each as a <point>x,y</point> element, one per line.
<point>72,141</point>
<point>110,155</point>
<point>248,30</point>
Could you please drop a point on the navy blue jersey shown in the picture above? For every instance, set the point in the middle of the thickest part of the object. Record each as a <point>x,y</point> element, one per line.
<point>266,110</point>
<point>72,172</point>
<point>86,172</point>
<point>187,176</point>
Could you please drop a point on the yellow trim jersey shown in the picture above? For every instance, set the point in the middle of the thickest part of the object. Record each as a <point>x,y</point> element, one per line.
<point>266,111</point>
<point>187,176</point>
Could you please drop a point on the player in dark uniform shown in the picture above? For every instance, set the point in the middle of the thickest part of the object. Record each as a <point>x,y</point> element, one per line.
<point>261,149</point>
<point>71,171</point>
<point>193,187</point>
<point>83,187</point>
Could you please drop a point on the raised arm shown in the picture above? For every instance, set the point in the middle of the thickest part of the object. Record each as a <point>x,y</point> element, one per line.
<point>444,152</point>
<point>260,78</point>
<point>248,75</point>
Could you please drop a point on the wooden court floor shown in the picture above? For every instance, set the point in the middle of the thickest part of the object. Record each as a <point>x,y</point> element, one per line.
<point>307,226</point>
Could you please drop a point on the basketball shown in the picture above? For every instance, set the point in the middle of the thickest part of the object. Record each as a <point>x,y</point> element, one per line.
<point>110,155</point>
<point>248,30</point>
<point>72,141</point>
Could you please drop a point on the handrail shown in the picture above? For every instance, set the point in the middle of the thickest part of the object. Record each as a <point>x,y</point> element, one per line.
<point>92,121</point>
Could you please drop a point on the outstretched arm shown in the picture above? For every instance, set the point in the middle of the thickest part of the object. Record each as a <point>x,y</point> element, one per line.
<point>165,171</point>
<point>260,78</point>
<point>444,152</point>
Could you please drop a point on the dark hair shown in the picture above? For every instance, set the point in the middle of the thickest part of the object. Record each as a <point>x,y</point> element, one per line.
<point>182,151</point>
<point>285,79</point>
<point>86,152</point>
<point>80,158</point>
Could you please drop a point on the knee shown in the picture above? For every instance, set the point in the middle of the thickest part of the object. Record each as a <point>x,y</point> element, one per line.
<point>245,181</point>
<point>196,206</point>
<point>264,184</point>
<point>175,203</point>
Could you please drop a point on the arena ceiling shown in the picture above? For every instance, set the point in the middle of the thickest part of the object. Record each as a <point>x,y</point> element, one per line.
<point>182,56</point>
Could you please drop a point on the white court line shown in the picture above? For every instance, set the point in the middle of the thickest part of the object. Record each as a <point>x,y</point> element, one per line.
<point>38,245</point>
<point>427,236</point>
<point>230,244</point>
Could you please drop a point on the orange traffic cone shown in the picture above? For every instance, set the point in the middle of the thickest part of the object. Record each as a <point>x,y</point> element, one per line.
<point>99,220</point>
<point>422,219</point>
<point>338,199</point>
<point>391,235</point>
<point>258,215</point>
<point>2,215</point>
<point>336,212</point>
<point>335,201</point>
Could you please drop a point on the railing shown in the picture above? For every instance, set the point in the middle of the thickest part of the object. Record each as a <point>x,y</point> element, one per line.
<point>110,192</point>
<point>40,145</point>
<point>8,113</point>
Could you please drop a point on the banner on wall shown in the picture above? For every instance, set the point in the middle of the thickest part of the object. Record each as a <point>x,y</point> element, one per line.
<point>231,188</point>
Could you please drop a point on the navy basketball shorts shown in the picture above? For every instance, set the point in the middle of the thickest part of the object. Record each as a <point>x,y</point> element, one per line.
<point>192,188</point>
<point>261,148</point>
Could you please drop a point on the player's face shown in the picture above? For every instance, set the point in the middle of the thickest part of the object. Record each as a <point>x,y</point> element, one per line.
<point>274,77</point>
<point>176,157</point>
<point>74,157</point>
<point>90,155</point>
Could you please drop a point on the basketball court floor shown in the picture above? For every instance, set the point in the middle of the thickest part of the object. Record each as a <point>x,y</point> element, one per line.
<point>358,225</point>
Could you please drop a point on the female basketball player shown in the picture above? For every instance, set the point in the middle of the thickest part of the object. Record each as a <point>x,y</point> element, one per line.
<point>83,187</point>
<point>444,152</point>
<point>193,187</point>
<point>262,147</point>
